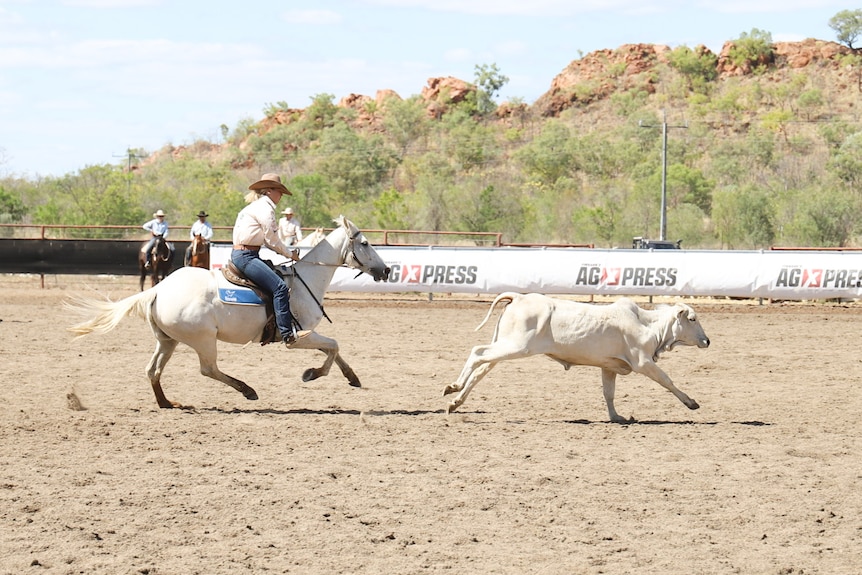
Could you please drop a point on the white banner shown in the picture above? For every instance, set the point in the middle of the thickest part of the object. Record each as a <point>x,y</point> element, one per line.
<point>576,271</point>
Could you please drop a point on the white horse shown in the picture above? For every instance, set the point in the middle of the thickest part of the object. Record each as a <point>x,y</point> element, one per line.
<point>312,239</point>
<point>186,308</point>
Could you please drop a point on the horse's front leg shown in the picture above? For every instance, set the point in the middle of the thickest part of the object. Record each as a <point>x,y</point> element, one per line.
<point>347,371</point>
<point>328,346</point>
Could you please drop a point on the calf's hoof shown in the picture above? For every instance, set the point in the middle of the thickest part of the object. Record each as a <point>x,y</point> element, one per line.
<point>449,389</point>
<point>692,405</point>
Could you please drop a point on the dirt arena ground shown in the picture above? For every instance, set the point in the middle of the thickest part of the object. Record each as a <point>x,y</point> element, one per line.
<point>527,478</point>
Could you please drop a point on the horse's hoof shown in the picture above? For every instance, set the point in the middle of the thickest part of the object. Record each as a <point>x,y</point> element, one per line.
<point>354,383</point>
<point>250,394</point>
<point>309,374</point>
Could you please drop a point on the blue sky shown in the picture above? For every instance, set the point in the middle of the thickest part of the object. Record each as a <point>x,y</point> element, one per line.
<point>83,80</point>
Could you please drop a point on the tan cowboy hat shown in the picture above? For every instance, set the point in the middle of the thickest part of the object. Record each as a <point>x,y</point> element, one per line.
<point>287,211</point>
<point>159,213</point>
<point>271,181</point>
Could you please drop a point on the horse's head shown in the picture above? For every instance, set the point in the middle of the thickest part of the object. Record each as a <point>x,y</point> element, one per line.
<point>358,252</point>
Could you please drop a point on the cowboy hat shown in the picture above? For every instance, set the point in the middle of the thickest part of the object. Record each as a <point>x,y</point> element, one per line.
<point>203,214</point>
<point>159,213</point>
<point>288,211</point>
<point>270,181</point>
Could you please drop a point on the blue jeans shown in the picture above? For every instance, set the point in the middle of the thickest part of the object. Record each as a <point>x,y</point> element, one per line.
<point>149,247</point>
<point>250,264</point>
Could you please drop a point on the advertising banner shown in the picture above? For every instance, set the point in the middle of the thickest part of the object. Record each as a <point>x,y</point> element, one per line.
<point>576,271</point>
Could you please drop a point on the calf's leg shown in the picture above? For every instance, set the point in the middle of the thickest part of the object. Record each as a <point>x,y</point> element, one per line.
<point>482,359</point>
<point>654,372</point>
<point>609,385</point>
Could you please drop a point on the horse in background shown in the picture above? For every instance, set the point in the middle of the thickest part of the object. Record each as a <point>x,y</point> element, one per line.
<point>312,239</point>
<point>163,258</point>
<point>198,255</point>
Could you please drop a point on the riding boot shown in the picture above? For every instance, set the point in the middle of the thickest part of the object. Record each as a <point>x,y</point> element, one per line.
<point>293,335</point>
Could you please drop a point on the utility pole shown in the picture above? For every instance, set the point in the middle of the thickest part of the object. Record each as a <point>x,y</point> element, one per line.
<point>664,128</point>
<point>130,155</point>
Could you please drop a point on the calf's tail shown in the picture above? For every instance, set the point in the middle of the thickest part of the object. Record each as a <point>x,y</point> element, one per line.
<point>106,314</point>
<point>506,297</point>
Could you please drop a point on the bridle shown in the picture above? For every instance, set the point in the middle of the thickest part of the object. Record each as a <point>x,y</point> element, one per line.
<point>349,251</point>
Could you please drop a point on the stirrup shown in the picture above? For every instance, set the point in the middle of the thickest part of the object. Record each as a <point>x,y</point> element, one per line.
<point>294,336</point>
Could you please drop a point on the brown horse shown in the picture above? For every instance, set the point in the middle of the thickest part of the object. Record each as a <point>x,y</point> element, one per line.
<point>199,253</point>
<point>163,257</point>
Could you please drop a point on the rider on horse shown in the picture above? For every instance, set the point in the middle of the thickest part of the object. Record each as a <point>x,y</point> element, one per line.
<point>158,227</point>
<point>200,228</point>
<point>256,227</point>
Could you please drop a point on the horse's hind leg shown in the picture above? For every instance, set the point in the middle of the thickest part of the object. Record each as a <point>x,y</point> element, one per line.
<point>165,347</point>
<point>208,354</point>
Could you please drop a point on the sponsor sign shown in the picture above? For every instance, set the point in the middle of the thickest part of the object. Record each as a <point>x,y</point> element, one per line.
<point>577,271</point>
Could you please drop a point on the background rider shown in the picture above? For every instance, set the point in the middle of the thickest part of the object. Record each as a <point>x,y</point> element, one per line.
<point>158,226</point>
<point>288,228</point>
<point>201,228</point>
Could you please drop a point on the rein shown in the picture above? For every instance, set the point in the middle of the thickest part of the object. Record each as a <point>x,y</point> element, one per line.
<point>319,304</point>
<point>292,271</point>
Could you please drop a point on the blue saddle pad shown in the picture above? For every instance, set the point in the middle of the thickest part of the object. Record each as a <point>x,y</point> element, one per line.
<point>239,295</point>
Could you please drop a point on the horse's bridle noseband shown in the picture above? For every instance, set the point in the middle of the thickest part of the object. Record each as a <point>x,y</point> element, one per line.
<point>352,248</point>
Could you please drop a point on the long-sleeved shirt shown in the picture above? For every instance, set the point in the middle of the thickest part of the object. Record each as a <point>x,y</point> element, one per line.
<point>289,230</point>
<point>202,229</point>
<point>256,226</point>
<point>157,228</point>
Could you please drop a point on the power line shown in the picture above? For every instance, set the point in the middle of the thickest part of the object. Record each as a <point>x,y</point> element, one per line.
<point>130,155</point>
<point>664,128</point>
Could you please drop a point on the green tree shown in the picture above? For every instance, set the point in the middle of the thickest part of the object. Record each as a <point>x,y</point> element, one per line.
<point>846,163</point>
<point>489,80</point>
<point>548,157</point>
<point>390,210</point>
<point>312,200</point>
<point>743,218</point>
<point>96,195</point>
<point>354,164</point>
<point>826,218</point>
<point>12,208</point>
<point>847,25</point>
<point>752,50</point>
<point>699,67</point>
<point>406,123</point>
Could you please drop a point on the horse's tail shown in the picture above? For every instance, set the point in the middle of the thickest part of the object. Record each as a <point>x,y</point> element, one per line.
<point>108,314</point>
<point>506,297</point>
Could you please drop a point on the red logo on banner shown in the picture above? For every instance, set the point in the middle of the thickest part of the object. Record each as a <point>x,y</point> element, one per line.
<point>611,276</point>
<point>812,278</point>
<point>410,274</point>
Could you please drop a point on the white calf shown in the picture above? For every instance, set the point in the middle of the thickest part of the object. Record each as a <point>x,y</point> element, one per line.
<point>619,338</point>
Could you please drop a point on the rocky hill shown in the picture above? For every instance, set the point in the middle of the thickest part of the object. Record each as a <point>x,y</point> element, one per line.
<point>597,76</point>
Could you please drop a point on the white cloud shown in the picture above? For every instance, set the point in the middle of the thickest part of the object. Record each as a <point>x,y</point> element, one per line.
<point>765,6</point>
<point>110,3</point>
<point>458,55</point>
<point>511,47</point>
<point>512,7</point>
<point>314,17</point>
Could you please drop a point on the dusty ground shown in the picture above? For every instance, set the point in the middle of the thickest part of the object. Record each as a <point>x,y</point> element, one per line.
<point>527,478</point>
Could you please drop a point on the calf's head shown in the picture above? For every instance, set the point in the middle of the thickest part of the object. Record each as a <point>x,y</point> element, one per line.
<point>687,329</point>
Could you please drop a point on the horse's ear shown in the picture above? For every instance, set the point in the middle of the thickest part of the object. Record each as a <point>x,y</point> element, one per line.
<point>341,221</point>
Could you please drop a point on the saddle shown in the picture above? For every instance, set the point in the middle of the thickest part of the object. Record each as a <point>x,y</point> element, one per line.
<point>270,332</point>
